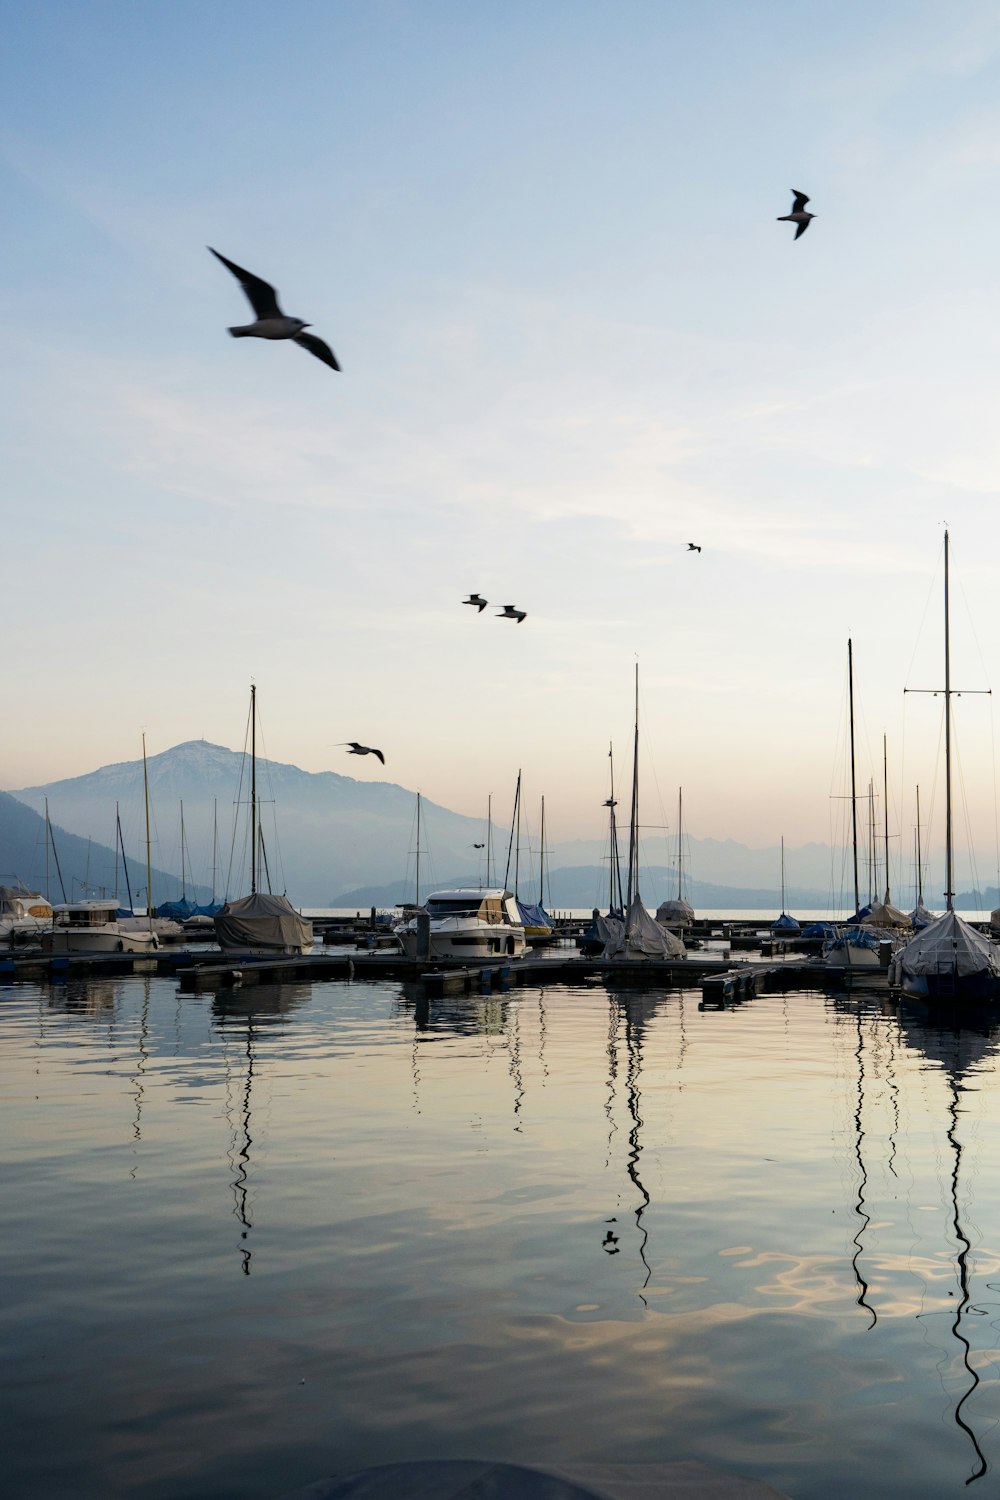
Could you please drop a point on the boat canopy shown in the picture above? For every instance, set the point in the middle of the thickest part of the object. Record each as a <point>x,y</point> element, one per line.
<point>533,914</point>
<point>177,910</point>
<point>785,923</point>
<point>884,914</point>
<point>262,921</point>
<point>950,946</point>
<point>921,917</point>
<point>640,936</point>
<point>859,916</point>
<point>675,913</point>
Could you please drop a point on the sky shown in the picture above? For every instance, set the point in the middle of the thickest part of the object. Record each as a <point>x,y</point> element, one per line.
<point>542,240</point>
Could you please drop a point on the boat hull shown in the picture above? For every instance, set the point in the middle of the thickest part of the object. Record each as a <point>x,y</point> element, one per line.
<point>99,940</point>
<point>487,942</point>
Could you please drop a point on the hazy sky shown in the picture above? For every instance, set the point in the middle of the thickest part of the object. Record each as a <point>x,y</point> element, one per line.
<point>541,238</point>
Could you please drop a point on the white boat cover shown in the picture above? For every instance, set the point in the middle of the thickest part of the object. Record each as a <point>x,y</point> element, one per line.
<point>995,917</point>
<point>262,921</point>
<point>950,946</point>
<point>884,914</point>
<point>676,913</point>
<point>643,937</point>
<point>468,1479</point>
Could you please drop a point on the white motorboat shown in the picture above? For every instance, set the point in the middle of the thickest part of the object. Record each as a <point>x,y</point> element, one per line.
<point>466,924</point>
<point>92,927</point>
<point>24,915</point>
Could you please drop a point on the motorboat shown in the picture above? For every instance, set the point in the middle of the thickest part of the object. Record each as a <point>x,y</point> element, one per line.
<point>24,914</point>
<point>465,924</point>
<point>92,926</point>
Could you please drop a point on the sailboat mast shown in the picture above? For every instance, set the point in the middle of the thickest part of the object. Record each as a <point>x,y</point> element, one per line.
<point>854,790</point>
<point>118,829</point>
<point>633,837</point>
<point>416,895</point>
<point>920,873</point>
<point>183,874</point>
<point>489,840</point>
<point>253,789</point>
<point>782,874</point>
<point>149,857</point>
<point>885,800</point>
<point>510,841</point>
<point>121,842</point>
<point>949,894</point>
<point>517,844</point>
<point>541,860</point>
<point>55,852</point>
<point>680,815</point>
<point>215,841</point>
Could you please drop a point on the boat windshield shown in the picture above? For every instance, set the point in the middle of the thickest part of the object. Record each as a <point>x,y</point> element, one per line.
<point>482,909</point>
<point>456,908</point>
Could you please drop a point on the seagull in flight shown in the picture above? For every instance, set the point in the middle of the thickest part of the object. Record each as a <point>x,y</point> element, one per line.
<point>693,547</point>
<point>271,321</point>
<point>798,214</point>
<point>478,600</point>
<point>357,749</point>
<point>510,613</point>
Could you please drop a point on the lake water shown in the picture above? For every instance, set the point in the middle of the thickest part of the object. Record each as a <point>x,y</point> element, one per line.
<point>255,1238</point>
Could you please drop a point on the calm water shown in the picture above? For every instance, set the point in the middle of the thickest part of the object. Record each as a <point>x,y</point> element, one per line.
<point>250,1241</point>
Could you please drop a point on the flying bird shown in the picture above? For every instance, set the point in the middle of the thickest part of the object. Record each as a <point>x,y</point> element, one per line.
<point>477,600</point>
<point>479,846</point>
<point>693,547</point>
<point>271,321</point>
<point>510,613</point>
<point>357,749</point>
<point>798,214</point>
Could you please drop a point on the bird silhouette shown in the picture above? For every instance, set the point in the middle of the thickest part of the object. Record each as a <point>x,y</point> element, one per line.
<point>479,846</point>
<point>693,547</point>
<point>510,613</point>
<point>478,600</point>
<point>357,749</point>
<point>271,321</point>
<point>798,214</point>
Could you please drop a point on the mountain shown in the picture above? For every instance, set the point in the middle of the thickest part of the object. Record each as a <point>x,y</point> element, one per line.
<point>85,867</point>
<point>328,836</point>
<point>322,831</point>
<point>585,886</point>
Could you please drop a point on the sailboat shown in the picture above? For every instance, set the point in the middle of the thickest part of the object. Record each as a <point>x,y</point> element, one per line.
<point>949,960</point>
<point>260,923</point>
<point>677,913</point>
<point>536,920</point>
<point>601,930</point>
<point>853,946</point>
<point>784,926</point>
<point>92,925</point>
<point>641,936</point>
<point>920,916</point>
<point>883,914</point>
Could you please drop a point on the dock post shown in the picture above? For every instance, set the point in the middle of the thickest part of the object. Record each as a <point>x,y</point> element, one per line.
<point>423,936</point>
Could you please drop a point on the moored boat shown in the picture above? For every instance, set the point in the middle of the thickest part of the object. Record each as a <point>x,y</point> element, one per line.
<point>465,923</point>
<point>92,926</point>
<point>24,914</point>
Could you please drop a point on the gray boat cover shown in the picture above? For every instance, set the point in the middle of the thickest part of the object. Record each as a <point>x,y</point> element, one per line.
<point>263,921</point>
<point>642,936</point>
<point>459,1479</point>
<point>884,914</point>
<point>948,946</point>
<point>676,913</point>
<point>921,917</point>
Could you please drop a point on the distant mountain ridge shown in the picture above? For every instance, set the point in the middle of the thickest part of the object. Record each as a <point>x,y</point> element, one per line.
<point>328,835</point>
